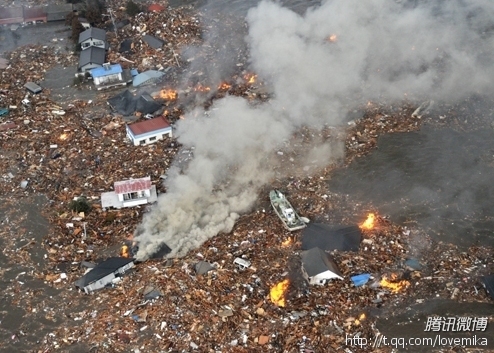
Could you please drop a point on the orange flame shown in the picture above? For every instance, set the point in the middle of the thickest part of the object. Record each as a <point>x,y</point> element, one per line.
<point>287,242</point>
<point>202,88</point>
<point>278,292</point>
<point>168,94</point>
<point>124,251</point>
<point>332,38</point>
<point>250,78</point>
<point>393,284</point>
<point>369,222</point>
<point>63,136</point>
<point>224,86</point>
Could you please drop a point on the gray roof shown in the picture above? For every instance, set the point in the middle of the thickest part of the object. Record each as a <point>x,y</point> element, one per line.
<point>92,55</point>
<point>203,267</point>
<point>153,42</point>
<point>147,77</point>
<point>103,269</point>
<point>93,32</point>
<point>316,261</point>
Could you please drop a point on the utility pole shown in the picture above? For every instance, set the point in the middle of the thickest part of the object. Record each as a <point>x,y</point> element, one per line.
<point>113,21</point>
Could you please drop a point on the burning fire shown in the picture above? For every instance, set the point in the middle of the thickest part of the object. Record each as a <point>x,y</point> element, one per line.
<point>124,251</point>
<point>224,86</point>
<point>332,38</point>
<point>369,222</point>
<point>250,78</point>
<point>393,284</point>
<point>287,242</point>
<point>278,292</point>
<point>202,88</point>
<point>168,94</point>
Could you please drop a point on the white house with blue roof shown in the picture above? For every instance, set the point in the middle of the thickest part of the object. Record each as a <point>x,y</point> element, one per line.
<point>108,76</point>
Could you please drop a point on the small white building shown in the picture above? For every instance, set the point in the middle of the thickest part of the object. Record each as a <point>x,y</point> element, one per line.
<point>318,267</point>
<point>107,76</point>
<point>104,274</point>
<point>149,131</point>
<point>129,193</point>
<point>92,37</point>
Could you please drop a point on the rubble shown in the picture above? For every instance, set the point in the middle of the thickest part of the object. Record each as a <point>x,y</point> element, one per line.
<point>81,149</point>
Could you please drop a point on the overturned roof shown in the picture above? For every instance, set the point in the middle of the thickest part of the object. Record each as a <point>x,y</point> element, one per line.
<point>146,104</point>
<point>102,269</point>
<point>132,185</point>
<point>146,126</point>
<point>153,42</point>
<point>123,103</point>
<point>147,77</point>
<point>203,267</point>
<point>92,33</point>
<point>316,261</point>
<point>329,238</point>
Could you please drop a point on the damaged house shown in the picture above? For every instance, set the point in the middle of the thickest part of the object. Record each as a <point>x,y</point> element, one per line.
<point>129,193</point>
<point>104,274</point>
<point>318,266</point>
<point>149,131</point>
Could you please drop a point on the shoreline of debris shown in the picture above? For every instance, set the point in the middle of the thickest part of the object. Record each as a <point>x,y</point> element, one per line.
<point>164,304</point>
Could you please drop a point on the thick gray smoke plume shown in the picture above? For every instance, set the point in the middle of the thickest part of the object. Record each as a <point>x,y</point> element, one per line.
<point>319,65</point>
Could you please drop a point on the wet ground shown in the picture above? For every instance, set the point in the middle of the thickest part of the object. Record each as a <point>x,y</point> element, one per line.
<point>54,34</point>
<point>30,309</point>
<point>412,323</point>
<point>441,180</point>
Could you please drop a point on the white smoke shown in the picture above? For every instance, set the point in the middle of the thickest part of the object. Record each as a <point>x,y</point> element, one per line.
<point>383,51</point>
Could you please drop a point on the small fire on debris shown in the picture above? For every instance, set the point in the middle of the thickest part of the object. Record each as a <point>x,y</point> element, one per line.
<point>202,88</point>
<point>63,136</point>
<point>332,38</point>
<point>369,222</point>
<point>360,319</point>
<point>168,94</point>
<point>224,86</point>
<point>287,242</point>
<point>124,251</point>
<point>278,292</point>
<point>250,78</point>
<point>393,283</point>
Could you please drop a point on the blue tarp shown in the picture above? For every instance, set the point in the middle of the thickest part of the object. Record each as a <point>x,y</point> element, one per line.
<point>360,280</point>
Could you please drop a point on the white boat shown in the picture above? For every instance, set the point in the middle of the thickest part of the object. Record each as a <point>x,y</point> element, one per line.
<point>291,220</point>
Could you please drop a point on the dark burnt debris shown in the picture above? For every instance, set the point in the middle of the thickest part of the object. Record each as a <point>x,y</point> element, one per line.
<point>80,149</point>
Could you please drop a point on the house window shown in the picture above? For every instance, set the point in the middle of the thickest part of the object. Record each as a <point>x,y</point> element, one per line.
<point>142,142</point>
<point>85,45</point>
<point>152,138</point>
<point>131,196</point>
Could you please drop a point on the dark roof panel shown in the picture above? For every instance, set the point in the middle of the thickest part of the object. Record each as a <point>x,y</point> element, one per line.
<point>93,32</point>
<point>316,261</point>
<point>103,269</point>
<point>329,238</point>
<point>93,55</point>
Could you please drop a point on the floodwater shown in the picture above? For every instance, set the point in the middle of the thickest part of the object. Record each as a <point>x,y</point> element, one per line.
<point>54,34</point>
<point>441,180</point>
<point>412,323</point>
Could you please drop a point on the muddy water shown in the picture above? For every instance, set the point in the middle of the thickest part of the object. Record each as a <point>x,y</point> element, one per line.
<point>439,179</point>
<point>412,323</point>
<point>54,34</point>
